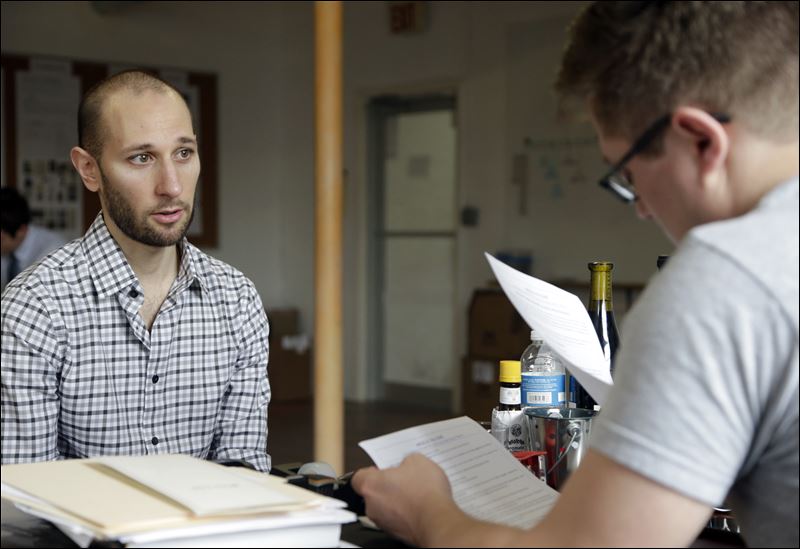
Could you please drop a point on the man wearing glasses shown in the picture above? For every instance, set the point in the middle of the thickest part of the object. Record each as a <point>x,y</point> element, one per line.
<point>696,107</point>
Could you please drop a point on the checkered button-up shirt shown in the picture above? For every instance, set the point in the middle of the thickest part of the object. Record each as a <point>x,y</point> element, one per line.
<point>82,375</point>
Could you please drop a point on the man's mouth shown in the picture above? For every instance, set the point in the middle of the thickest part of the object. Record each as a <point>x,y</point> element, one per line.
<point>168,216</point>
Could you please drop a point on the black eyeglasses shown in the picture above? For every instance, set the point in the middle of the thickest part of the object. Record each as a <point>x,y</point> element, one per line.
<point>616,181</point>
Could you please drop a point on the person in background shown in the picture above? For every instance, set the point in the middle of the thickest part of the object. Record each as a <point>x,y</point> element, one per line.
<point>130,340</point>
<point>22,243</point>
<point>696,109</point>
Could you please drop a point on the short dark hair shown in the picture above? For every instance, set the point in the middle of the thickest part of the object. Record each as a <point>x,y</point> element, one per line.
<point>14,211</point>
<point>91,132</point>
<point>636,61</point>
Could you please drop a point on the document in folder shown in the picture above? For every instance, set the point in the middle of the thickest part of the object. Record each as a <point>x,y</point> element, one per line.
<point>193,484</point>
<point>176,496</point>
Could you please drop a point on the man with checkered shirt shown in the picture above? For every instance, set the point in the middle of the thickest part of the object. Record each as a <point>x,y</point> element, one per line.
<point>129,340</point>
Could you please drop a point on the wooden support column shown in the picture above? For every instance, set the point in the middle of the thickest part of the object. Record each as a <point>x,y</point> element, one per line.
<point>328,376</point>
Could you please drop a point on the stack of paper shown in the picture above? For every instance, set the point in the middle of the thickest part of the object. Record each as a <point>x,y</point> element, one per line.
<point>173,500</point>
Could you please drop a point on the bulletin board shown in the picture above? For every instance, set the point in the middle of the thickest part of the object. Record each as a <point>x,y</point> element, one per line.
<point>40,97</point>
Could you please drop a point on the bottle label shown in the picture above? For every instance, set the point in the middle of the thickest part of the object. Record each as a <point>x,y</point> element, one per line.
<point>510,395</point>
<point>543,389</point>
<point>510,428</point>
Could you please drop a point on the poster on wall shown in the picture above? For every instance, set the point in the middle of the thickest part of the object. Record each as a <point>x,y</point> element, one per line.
<point>47,97</point>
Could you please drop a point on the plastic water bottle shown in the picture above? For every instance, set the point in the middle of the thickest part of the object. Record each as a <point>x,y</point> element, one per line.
<point>542,375</point>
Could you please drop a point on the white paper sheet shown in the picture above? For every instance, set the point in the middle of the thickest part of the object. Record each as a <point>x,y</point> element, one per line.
<point>488,482</point>
<point>202,489</point>
<point>561,319</point>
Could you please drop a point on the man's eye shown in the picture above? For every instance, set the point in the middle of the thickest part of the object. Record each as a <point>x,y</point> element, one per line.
<point>140,158</point>
<point>185,153</point>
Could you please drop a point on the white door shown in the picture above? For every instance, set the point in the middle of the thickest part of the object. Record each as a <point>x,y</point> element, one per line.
<point>417,239</point>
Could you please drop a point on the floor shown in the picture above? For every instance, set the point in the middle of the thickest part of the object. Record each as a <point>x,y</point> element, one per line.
<point>291,438</point>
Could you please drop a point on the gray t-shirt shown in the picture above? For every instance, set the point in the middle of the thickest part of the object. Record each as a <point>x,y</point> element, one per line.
<point>705,397</point>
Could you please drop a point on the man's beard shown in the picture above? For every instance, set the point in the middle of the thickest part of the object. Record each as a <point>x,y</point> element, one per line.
<point>123,215</point>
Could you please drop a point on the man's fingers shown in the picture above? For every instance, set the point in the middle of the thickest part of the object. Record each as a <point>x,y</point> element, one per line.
<point>361,477</point>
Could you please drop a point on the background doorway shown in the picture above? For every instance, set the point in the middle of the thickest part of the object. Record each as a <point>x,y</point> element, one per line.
<point>413,174</point>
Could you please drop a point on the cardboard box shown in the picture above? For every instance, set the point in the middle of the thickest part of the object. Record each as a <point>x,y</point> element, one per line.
<point>496,330</point>
<point>283,322</point>
<point>480,387</point>
<point>289,373</point>
<point>289,366</point>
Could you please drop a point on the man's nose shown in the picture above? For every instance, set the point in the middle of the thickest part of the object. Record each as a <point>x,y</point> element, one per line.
<point>169,183</point>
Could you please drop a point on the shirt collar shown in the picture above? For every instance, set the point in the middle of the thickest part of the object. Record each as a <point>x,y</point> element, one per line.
<point>110,270</point>
<point>188,271</point>
<point>782,193</point>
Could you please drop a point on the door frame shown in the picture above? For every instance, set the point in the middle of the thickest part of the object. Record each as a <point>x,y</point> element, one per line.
<point>379,109</point>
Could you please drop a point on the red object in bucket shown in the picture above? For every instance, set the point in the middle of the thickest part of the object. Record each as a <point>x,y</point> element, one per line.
<point>534,461</point>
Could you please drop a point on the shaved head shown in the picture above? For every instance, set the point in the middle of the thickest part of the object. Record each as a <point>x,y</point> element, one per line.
<point>91,129</point>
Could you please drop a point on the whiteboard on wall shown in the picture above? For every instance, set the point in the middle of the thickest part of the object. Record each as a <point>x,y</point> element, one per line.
<point>559,212</point>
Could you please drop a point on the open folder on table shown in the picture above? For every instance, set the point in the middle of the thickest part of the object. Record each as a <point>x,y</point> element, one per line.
<point>173,499</point>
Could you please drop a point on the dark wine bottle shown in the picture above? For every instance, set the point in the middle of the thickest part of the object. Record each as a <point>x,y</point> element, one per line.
<point>601,313</point>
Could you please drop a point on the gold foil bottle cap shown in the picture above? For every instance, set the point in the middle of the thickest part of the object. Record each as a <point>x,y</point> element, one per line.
<point>601,266</point>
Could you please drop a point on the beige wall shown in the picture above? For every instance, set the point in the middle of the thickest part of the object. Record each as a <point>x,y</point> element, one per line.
<point>263,56</point>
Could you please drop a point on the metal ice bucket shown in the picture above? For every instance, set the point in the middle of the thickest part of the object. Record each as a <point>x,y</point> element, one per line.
<point>564,434</point>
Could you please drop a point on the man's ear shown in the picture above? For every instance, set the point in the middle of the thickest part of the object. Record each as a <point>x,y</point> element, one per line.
<point>706,136</point>
<point>87,167</point>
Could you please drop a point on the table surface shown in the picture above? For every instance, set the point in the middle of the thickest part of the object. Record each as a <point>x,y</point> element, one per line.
<point>19,529</point>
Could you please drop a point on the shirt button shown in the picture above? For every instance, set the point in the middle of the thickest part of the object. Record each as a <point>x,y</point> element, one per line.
<point>133,294</point>
<point>154,440</point>
<point>155,379</point>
